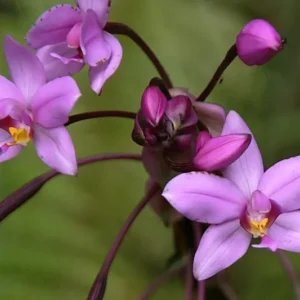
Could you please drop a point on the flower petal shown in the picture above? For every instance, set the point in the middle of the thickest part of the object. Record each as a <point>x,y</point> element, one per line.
<point>25,68</point>
<point>98,75</point>
<point>267,242</point>
<point>221,151</point>
<point>286,231</point>
<point>55,148</point>
<point>53,26</point>
<point>220,247</point>
<point>10,153</point>
<point>281,183</point>
<point>248,169</point>
<point>9,90</point>
<point>59,60</point>
<point>53,102</point>
<point>211,115</point>
<point>205,197</point>
<point>96,50</point>
<point>101,8</point>
<point>12,108</point>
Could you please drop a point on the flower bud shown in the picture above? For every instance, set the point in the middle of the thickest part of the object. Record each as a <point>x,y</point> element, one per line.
<point>202,138</point>
<point>181,113</point>
<point>154,104</point>
<point>219,152</point>
<point>258,42</point>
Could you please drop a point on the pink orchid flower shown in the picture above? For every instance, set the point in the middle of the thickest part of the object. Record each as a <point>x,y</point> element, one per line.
<point>247,202</point>
<point>69,37</point>
<point>31,109</point>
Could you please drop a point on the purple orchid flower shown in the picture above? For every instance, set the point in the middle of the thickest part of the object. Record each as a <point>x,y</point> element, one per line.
<point>31,109</point>
<point>245,203</point>
<point>69,37</point>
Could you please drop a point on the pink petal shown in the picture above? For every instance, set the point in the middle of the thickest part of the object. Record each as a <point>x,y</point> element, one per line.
<point>25,68</point>
<point>55,149</point>
<point>211,115</point>
<point>259,203</point>
<point>59,60</point>
<point>100,7</point>
<point>281,183</point>
<point>267,242</point>
<point>248,169</point>
<point>205,197</point>
<point>154,104</point>
<point>202,138</point>
<point>219,152</point>
<point>286,231</point>
<point>73,37</point>
<point>11,152</point>
<point>98,75</point>
<point>9,90</point>
<point>96,50</point>
<point>12,108</point>
<point>220,247</point>
<point>53,26</point>
<point>5,138</point>
<point>53,102</point>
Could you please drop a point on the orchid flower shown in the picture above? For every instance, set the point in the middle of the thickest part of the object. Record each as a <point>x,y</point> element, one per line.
<point>245,203</point>
<point>69,37</point>
<point>31,109</point>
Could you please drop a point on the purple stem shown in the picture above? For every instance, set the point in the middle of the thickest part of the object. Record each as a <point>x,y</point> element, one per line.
<point>164,277</point>
<point>226,287</point>
<point>200,284</point>
<point>100,114</point>
<point>98,288</point>
<point>228,59</point>
<point>119,28</point>
<point>288,266</point>
<point>27,191</point>
<point>189,279</point>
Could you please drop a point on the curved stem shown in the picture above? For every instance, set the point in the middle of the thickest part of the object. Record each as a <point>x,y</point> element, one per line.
<point>200,284</point>
<point>119,28</point>
<point>97,290</point>
<point>164,277</point>
<point>228,59</point>
<point>288,266</point>
<point>189,279</point>
<point>100,114</point>
<point>27,191</point>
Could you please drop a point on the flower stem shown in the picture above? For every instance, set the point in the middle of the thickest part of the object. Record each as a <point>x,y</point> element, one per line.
<point>164,277</point>
<point>200,284</point>
<point>189,279</point>
<point>27,191</point>
<point>288,266</point>
<point>225,287</point>
<point>100,114</point>
<point>119,28</point>
<point>228,59</point>
<point>97,290</point>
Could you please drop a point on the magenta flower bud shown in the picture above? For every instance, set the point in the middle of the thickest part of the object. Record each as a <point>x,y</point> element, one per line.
<point>258,42</point>
<point>154,104</point>
<point>219,152</point>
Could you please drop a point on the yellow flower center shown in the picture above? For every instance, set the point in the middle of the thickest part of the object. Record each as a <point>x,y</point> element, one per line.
<point>259,228</point>
<point>21,136</point>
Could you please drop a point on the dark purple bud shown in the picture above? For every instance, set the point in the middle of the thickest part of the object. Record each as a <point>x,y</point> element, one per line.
<point>181,113</point>
<point>137,133</point>
<point>219,152</point>
<point>258,42</point>
<point>154,104</point>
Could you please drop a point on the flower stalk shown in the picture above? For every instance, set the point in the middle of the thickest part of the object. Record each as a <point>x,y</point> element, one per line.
<point>97,290</point>
<point>228,59</point>
<point>119,28</point>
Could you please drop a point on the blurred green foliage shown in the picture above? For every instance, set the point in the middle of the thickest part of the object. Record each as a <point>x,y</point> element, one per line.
<point>52,247</point>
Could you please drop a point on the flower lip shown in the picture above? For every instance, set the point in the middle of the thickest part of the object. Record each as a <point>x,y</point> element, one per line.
<point>259,215</point>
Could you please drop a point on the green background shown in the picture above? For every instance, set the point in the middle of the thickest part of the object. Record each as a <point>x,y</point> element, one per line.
<point>53,247</point>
